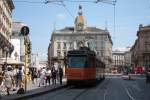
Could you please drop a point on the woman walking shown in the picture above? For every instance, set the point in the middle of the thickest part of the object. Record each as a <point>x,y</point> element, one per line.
<point>42,76</point>
<point>8,80</point>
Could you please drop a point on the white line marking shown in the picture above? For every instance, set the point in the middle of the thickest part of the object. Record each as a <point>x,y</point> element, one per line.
<point>129,94</point>
<point>104,96</point>
<point>105,91</point>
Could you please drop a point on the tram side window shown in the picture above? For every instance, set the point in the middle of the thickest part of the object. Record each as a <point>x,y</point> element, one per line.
<point>91,62</point>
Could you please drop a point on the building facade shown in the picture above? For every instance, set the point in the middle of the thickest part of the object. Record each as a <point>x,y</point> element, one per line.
<point>140,51</point>
<point>71,38</point>
<point>121,59</point>
<point>128,58</point>
<point>18,42</point>
<point>35,60</point>
<point>6,48</point>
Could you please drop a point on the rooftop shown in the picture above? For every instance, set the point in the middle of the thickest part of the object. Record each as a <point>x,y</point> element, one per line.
<point>87,29</point>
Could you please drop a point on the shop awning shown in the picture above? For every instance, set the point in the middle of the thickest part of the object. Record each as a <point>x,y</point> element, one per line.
<point>10,61</point>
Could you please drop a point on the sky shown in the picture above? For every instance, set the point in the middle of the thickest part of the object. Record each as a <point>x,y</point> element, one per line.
<point>42,19</point>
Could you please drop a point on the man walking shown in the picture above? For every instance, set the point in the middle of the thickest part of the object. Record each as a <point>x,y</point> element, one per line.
<point>60,72</point>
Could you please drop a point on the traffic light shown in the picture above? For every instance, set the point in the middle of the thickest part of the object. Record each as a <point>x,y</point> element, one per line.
<point>24,30</point>
<point>29,48</point>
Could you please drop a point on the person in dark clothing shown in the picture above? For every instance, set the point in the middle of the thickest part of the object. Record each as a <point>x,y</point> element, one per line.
<point>53,75</point>
<point>60,72</point>
<point>48,76</point>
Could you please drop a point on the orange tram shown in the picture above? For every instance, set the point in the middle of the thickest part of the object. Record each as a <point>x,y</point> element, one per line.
<point>83,67</point>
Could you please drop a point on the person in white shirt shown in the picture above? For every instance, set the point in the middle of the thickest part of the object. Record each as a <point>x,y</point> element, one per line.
<point>48,76</point>
<point>42,76</point>
<point>8,80</point>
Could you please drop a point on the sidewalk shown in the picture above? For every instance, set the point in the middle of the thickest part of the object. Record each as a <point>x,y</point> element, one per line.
<point>32,90</point>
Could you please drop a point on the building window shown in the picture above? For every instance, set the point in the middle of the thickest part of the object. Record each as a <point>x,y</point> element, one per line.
<point>58,45</point>
<point>102,44</point>
<point>147,46</point>
<point>102,53</point>
<point>95,47</point>
<point>98,54</point>
<point>70,45</point>
<point>65,46</point>
<point>65,53</point>
<point>58,53</point>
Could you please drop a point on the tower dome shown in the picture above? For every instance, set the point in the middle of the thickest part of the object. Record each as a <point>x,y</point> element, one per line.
<point>79,20</point>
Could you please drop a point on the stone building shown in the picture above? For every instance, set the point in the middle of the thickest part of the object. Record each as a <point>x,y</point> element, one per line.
<point>128,58</point>
<point>18,42</point>
<point>6,48</point>
<point>121,59</point>
<point>71,38</point>
<point>140,51</point>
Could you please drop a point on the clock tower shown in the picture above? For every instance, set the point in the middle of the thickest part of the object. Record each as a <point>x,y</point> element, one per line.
<point>79,20</point>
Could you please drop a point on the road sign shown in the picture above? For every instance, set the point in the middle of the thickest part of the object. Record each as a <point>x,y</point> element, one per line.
<point>24,30</point>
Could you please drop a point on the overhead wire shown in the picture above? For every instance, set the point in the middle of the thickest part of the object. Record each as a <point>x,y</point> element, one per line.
<point>68,11</point>
<point>61,3</point>
<point>25,1</point>
<point>114,33</point>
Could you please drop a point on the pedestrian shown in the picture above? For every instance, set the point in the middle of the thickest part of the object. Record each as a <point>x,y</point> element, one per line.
<point>48,75</point>
<point>42,77</point>
<point>53,75</point>
<point>19,77</point>
<point>8,80</point>
<point>60,72</point>
<point>1,78</point>
<point>2,87</point>
<point>56,71</point>
<point>34,75</point>
<point>14,79</point>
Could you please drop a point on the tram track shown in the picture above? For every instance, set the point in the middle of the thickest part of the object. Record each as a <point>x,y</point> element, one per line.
<point>103,91</point>
<point>70,89</point>
<point>61,91</point>
<point>100,87</point>
<point>72,92</point>
<point>127,91</point>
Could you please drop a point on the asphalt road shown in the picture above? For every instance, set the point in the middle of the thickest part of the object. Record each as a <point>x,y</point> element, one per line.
<point>112,88</point>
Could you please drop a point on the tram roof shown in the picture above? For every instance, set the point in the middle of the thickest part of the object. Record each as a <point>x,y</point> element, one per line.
<point>81,51</point>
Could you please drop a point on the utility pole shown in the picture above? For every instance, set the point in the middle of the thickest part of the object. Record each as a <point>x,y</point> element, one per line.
<point>25,32</point>
<point>26,58</point>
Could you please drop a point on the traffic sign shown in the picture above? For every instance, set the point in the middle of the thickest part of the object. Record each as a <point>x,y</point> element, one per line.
<point>24,30</point>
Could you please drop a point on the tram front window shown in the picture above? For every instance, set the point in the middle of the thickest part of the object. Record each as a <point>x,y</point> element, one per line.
<point>76,62</point>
